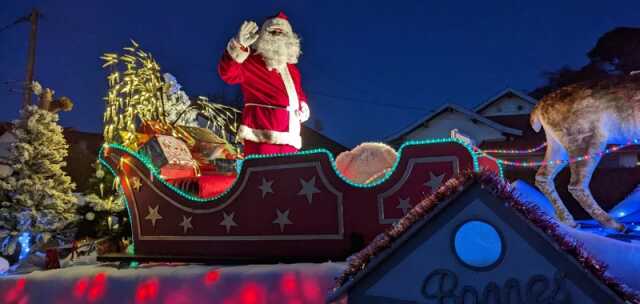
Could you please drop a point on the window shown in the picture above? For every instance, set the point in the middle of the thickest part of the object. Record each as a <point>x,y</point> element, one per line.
<point>478,245</point>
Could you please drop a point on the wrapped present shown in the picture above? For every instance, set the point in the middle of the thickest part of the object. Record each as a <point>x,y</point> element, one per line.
<point>208,145</point>
<point>201,134</point>
<point>52,260</point>
<point>179,171</point>
<point>225,165</point>
<point>171,156</point>
<point>110,245</point>
<point>153,127</point>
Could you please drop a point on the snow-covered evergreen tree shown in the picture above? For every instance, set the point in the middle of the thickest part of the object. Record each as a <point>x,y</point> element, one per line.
<point>37,197</point>
<point>101,209</point>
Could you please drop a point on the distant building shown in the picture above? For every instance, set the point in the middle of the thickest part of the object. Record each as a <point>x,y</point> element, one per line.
<point>451,117</point>
<point>481,125</point>
<point>312,139</point>
<point>6,140</point>
<point>502,123</point>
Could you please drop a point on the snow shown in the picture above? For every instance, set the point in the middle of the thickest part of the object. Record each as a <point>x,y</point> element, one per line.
<point>623,258</point>
<point>530,195</point>
<point>4,266</point>
<point>629,209</point>
<point>174,283</point>
<point>37,198</point>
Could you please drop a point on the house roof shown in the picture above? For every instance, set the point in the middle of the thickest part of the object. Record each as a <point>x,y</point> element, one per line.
<point>83,153</point>
<point>504,92</point>
<point>383,246</point>
<point>312,139</point>
<point>5,126</point>
<point>448,106</point>
<point>528,139</point>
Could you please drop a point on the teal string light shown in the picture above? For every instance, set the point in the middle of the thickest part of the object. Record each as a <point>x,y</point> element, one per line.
<point>156,172</point>
<point>121,192</point>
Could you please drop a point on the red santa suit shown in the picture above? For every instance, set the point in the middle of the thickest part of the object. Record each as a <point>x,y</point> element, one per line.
<point>274,103</point>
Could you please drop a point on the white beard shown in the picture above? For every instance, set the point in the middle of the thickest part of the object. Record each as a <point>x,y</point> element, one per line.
<point>277,51</point>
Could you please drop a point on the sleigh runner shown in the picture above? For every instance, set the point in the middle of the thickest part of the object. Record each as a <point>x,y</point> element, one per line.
<point>290,207</point>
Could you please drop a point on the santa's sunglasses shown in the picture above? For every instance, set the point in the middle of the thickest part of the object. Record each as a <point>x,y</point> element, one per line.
<point>276,32</point>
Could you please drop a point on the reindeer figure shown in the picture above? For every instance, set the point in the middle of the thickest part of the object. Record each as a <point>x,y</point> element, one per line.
<point>580,120</point>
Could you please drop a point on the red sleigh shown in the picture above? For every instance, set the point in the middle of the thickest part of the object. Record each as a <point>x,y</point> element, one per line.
<point>292,207</point>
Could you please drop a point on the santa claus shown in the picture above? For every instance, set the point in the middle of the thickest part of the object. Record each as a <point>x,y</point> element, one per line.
<point>263,63</point>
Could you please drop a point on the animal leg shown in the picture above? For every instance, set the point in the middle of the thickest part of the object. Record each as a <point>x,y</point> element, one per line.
<point>581,173</point>
<point>546,176</point>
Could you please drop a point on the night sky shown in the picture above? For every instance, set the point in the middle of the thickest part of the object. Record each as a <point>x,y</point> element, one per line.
<point>370,68</point>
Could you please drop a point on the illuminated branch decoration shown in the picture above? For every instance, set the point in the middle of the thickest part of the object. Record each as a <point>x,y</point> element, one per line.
<point>223,120</point>
<point>139,92</point>
<point>136,91</point>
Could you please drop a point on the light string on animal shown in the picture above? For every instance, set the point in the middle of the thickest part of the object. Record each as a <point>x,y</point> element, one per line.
<point>527,151</point>
<point>558,161</point>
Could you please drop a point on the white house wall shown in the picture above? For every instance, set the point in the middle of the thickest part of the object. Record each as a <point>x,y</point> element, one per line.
<point>508,105</point>
<point>6,141</point>
<point>441,126</point>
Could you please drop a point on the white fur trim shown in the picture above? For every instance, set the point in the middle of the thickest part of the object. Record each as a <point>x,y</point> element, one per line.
<point>292,137</point>
<point>233,48</point>
<point>294,102</point>
<point>305,113</point>
<point>269,136</point>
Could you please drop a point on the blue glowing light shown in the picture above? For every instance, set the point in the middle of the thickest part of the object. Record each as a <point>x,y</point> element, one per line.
<point>24,239</point>
<point>478,244</point>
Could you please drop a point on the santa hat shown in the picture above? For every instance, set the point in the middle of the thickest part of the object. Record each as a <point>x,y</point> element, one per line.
<point>281,15</point>
<point>279,21</point>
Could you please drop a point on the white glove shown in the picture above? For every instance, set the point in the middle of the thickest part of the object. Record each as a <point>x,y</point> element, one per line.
<point>304,113</point>
<point>248,33</point>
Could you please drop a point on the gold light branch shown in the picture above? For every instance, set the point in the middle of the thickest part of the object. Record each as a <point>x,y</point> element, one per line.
<point>136,88</point>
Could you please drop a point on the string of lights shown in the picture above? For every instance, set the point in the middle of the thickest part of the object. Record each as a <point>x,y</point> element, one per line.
<point>526,151</point>
<point>551,162</point>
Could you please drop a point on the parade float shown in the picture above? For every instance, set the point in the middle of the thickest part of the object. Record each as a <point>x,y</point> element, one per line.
<point>192,194</point>
<point>289,207</point>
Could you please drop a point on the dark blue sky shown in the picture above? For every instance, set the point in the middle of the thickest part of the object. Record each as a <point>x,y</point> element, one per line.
<point>412,55</point>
